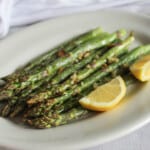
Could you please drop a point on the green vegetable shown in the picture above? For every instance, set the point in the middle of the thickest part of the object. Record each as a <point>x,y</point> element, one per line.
<point>126,60</point>
<point>57,119</point>
<point>65,47</point>
<point>82,74</point>
<point>47,73</point>
<point>45,92</point>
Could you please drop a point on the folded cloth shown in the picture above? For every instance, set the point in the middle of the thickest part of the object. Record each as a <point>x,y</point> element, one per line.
<point>24,12</point>
<point>5,13</point>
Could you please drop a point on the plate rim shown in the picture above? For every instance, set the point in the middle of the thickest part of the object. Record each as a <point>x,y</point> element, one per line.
<point>114,136</point>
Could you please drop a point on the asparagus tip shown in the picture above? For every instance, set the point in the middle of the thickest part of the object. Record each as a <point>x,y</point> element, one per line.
<point>121,33</point>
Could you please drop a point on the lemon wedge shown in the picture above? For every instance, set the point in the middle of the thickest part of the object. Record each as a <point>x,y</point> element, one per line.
<point>106,96</point>
<point>141,68</point>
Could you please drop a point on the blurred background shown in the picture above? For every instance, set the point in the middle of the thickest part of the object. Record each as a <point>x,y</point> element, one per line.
<point>20,13</point>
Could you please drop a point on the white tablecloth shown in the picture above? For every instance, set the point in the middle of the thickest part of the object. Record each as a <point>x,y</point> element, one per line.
<point>138,140</point>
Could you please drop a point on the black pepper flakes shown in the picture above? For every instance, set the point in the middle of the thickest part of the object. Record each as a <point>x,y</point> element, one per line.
<point>62,53</point>
<point>61,70</point>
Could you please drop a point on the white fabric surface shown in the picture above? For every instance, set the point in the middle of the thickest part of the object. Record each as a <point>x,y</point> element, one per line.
<point>5,12</point>
<point>138,140</point>
<point>18,13</point>
<point>23,12</point>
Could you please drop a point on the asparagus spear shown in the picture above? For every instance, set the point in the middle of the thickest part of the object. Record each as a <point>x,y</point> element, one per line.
<point>58,108</point>
<point>96,64</point>
<point>78,41</point>
<point>51,55</point>
<point>62,62</point>
<point>60,77</point>
<point>66,47</point>
<point>57,120</point>
<point>5,110</point>
<point>73,102</point>
<point>2,105</point>
<point>67,106</point>
<point>69,70</point>
<point>20,106</point>
<point>16,110</point>
<point>22,97</point>
<point>128,59</point>
<point>49,72</point>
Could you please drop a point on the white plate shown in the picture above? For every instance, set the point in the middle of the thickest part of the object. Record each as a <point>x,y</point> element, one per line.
<point>131,114</point>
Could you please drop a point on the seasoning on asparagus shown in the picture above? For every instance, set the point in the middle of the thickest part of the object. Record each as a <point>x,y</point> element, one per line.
<point>41,61</point>
<point>65,47</point>
<point>82,74</point>
<point>46,91</point>
<point>47,73</point>
<point>127,60</point>
<point>20,105</point>
<point>58,119</point>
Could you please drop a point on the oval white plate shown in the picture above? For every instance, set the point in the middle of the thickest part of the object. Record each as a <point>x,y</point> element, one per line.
<point>131,114</point>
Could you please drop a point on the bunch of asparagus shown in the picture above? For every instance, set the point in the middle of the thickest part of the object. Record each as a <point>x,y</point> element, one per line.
<point>45,92</point>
